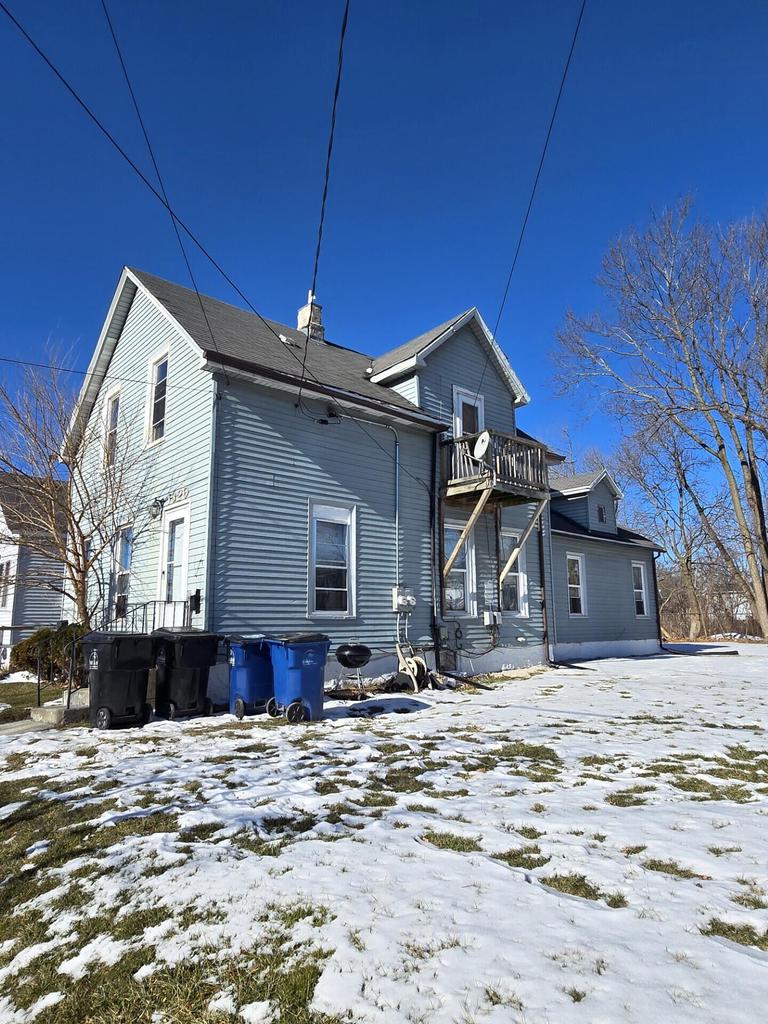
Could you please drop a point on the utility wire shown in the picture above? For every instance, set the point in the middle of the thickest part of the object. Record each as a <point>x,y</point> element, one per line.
<point>534,187</point>
<point>163,189</point>
<point>326,182</point>
<point>188,231</point>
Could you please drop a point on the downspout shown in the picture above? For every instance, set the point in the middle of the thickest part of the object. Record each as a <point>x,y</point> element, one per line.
<point>435,548</point>
<point>543,575</point>
<point>210,573</point>
<point>552,581</point>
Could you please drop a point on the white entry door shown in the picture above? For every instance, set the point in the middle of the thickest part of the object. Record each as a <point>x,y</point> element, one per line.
<point>173,566</point>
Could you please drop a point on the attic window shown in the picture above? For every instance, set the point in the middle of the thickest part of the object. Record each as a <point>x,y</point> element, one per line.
<point>601,516</point>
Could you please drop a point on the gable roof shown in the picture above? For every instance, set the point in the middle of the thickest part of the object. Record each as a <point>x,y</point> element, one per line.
<point>411,355</point>
<point>242,340</point>
<point>582,483</point>
<point>623,535</point>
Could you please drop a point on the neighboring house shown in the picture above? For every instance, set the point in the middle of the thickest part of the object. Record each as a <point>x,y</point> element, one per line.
<point>28,578</point>
<point>279,499</point>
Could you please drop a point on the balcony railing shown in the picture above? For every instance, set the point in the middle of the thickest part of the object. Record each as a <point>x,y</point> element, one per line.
<point>510,463</point>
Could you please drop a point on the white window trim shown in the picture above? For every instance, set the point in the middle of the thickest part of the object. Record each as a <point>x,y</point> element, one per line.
<point>522,577</point>
<point>337,513</point>
<point>582,585</point>
<point>604,520</point>
<point>113,393</point>
<point>158,357</point>
<point>644,578</point>
<point>470,612</point>
<point>116,567</point>
<point>464,394</point>
<point>178,511</point>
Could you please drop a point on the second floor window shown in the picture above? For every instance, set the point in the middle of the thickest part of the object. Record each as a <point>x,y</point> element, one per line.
<point>601,516</point>
<point>157,399</point>
<point>110,441</point>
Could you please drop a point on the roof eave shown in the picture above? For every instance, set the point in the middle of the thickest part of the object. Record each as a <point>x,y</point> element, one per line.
<point>211,360</point>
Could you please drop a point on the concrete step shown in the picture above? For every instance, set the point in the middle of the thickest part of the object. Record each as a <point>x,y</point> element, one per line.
<point>57,714</point>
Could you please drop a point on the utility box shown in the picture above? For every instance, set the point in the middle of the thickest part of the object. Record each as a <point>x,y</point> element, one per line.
<point>403,599</point>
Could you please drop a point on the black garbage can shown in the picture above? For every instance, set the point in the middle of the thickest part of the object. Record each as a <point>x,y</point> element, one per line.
<point>117,665</point>
<point>183,658</point>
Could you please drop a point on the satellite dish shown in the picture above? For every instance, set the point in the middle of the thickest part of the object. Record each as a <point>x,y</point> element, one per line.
<point>482,445</point>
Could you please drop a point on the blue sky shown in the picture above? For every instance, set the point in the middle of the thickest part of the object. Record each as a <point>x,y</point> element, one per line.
<point>441,121</point>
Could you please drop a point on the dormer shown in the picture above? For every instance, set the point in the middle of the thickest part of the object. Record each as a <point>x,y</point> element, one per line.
<point>590,499</point>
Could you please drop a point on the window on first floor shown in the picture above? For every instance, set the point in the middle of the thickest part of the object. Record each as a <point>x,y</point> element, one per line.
<point>577,597</point>
<point>639,589</point>
<point>122,577</point>
<point>459,583</point>
<point>331,561</point>
<point>514,589</point>
<point>5,583</point>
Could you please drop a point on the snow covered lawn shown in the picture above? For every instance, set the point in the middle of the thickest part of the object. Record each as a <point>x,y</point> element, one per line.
<point>590,844</point>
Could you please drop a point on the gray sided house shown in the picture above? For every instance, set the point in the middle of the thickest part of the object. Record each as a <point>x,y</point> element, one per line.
<point>282,482</point>
<point>31,581</point>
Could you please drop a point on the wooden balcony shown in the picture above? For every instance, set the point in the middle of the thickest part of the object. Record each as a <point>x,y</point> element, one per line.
<point>513,468</point>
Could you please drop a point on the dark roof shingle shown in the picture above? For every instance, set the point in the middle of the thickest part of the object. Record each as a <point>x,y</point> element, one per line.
<point>564,524</point>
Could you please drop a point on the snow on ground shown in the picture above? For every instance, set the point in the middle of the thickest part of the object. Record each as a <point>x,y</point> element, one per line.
<point>582,845</point>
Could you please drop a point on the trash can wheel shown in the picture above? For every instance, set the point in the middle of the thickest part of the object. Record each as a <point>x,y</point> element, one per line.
<point>147,716</point>
<point>239,708</point>
<point>272,708</point>
<point>296,712</point>
<point>103,718</point>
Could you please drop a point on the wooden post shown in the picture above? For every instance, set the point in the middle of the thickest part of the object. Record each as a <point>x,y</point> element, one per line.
<point>521,543</point>
<point>467,530</point>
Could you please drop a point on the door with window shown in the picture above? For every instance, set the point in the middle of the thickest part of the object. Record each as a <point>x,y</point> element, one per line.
<point>173,567</point>
<point>468,412</point>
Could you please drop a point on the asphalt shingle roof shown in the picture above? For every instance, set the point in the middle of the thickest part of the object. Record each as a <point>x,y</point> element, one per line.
<point>575,481</point>
<point>242,338</point>
<point>565,524</point>
<point>414,346</point>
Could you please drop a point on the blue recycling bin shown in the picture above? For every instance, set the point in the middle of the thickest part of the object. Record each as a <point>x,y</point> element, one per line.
<point>298,667</point>
<point>250,674</point>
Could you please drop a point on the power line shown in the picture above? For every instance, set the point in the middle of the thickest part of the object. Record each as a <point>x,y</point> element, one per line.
<point>326,182</point>
<point>188,231</point>
<point>535,186</point>
<point>159,175</point>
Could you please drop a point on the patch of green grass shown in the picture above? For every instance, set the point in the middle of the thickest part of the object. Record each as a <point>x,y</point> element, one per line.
<point>494,996</point>
<point>326,786</point>
<point>21,696</point>
<point>376,800</point>
<point>670,867</point>
<point>422,808</point>
<point>630,851</point>
<point>576,994</point>
<point>451,841</point>
<point>720,851</point>
<point>744,934</point>
<point>401,780</point>
<point>629,797</point>
<point>529,751</point>
<point>199,833</point>
<point>528,857</point>
<point>528,832</point>
<point>754,898</point>
<point>538,808</point>
<point>579,885</point>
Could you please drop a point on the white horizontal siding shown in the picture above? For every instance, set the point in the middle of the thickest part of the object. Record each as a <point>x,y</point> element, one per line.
<point>271,461</point>
<point>461,360</point>
<point>609,595</point>
<point>181,461</point>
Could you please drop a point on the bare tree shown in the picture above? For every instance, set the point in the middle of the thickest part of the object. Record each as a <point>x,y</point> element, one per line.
<point>686,349</point>
<point>73,493</point>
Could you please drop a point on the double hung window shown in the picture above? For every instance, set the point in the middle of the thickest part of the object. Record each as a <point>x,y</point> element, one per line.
<point>331,561</point>
<point>577,597</point>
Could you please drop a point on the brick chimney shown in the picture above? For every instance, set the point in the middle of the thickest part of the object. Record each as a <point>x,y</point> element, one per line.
<point>310,319</point>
